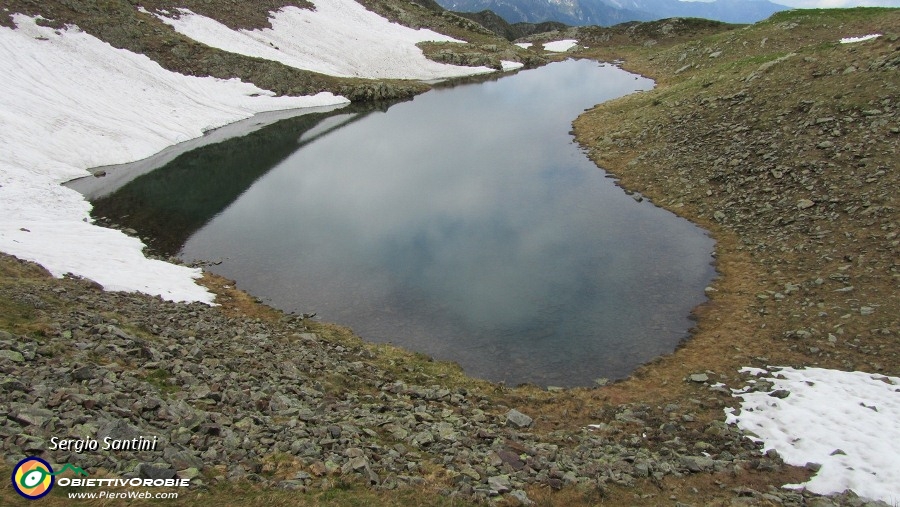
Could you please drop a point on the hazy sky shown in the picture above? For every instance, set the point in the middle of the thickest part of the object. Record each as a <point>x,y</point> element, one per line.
<point>838,3</point>
<point>807,4</point>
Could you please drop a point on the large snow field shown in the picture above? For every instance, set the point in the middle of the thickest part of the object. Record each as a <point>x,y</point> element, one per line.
<point>339,38</point>
<point>69,102</point>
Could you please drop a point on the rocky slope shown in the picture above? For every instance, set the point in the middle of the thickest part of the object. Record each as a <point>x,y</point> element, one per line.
<point>783,142</point>
<point>286,403</point>
<point>511,31</point>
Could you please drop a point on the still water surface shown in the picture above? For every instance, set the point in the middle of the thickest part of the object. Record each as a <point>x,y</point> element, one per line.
<point>465,224</point>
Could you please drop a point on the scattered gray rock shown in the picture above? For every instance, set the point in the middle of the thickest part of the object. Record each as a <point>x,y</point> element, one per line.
<point>209,402</point>
<point>518,419</point>
<point>499,484</point>
<point>151,471</point>
<point>12,355</point>
<point>805,204</point>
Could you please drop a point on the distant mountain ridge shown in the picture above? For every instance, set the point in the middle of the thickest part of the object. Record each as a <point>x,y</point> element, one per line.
<point>511,31</point>
<point>611,12</point>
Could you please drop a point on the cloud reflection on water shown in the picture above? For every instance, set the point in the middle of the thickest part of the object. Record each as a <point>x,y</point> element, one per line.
<point>466,224</point>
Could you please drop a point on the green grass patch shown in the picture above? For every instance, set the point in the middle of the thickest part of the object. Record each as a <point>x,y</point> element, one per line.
<point>160,378</point>
<point>15,317</point>
<point>753,62</point>
<point>806,16</point>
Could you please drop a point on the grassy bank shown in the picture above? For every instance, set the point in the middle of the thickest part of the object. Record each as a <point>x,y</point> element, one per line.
<point>782,142</point>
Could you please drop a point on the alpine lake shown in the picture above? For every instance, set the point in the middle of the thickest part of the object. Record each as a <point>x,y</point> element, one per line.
<point>465,224</point>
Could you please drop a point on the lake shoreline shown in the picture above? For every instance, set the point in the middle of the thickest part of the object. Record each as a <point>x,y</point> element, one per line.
<point>517,264</point>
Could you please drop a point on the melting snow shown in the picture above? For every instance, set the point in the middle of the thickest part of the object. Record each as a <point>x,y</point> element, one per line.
<point>339,38</point>
<point>850,40</point>
<point>69,102</point>
<point>507,66</point>
<point>560,46</point>
<point>848,422</point>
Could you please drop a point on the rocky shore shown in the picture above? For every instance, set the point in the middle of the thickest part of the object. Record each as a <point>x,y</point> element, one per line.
<point>292,404</point>
<point>783,142</point>
<point>276,403</point>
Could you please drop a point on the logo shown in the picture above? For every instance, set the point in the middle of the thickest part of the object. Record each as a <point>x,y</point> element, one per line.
<point>33,477</point>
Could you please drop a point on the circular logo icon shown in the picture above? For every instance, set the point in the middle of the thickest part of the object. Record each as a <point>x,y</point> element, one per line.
<point>31,478</point>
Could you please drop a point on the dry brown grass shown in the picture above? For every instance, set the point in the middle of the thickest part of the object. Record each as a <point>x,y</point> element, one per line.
<point>243,494</point>
<point>708,489</point>
<point>235,302</point>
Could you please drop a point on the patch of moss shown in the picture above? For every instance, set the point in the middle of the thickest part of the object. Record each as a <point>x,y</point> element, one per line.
<point>160,378</point>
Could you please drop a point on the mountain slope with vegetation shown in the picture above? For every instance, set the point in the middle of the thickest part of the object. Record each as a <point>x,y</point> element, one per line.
<point>512,31</point>
<point>612,12</point>
<point>782,141</point>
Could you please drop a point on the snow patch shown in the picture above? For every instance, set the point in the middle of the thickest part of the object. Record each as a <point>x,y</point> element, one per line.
<point>69,102</point>
<point>507,65</point>
<point>338,38</point>
<point>851,40</point>
<point>524,45</point>
<point>560,46</point>
<point>847,422</point>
